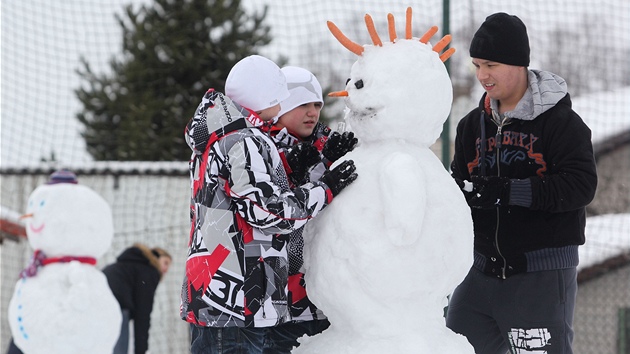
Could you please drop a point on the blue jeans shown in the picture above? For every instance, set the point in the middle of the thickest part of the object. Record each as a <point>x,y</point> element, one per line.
<point>122,346</point>
<point>238,340</point>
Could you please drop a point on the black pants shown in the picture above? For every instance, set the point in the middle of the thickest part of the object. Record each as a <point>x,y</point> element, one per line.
<point>525,313</point>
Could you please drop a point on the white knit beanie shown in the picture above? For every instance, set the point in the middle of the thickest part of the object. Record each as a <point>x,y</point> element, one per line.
<point>303,88</point>
<point>257,83</point>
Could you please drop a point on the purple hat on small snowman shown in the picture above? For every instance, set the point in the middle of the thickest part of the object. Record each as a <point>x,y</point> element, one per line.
<point>62,176</point>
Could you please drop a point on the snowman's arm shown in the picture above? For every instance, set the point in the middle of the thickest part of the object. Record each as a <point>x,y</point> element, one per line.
<point>404,198</point>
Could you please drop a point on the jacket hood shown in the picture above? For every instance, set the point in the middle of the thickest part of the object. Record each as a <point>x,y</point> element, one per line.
<point>545,90</point>
<point>283,136</point>
<point>219,116</point>
<point>140,253</point>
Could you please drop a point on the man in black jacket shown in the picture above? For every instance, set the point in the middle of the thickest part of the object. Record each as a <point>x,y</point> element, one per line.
<point>133,280</point>
<point>524,160</point>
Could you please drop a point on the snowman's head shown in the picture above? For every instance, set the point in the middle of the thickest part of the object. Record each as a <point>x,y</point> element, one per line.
<point>68,219</point>
<point>398,89</point>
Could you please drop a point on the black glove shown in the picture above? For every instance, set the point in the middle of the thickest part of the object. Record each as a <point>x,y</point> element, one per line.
<point>338,145</point>
<point>490,192</point>
<point>300,158</point>
<point>340,177</point>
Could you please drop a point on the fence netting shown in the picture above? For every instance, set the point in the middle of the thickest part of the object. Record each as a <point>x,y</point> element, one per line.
<point>585,42</point>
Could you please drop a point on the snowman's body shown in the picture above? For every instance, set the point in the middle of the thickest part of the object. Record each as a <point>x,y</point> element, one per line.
<point>403,217</point>
<point>67,306</point>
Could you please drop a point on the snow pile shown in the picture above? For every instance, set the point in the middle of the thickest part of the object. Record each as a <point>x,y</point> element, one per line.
<point>602,112</point>
<point>607,236</point>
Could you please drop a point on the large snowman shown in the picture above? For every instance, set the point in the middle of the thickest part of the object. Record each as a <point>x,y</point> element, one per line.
<point>381,260</point>
<point>62,303</point>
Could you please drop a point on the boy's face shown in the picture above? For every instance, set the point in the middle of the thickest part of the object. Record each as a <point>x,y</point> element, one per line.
<point>302,119</point>
<point>268,113</point>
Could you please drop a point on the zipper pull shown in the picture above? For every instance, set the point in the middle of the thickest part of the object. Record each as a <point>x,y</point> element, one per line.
<point>498,138</point>
<point>261,261</point>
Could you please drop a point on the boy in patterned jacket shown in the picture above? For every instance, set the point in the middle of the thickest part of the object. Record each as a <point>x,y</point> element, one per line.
<point>307,149</point>
<point>234,293</point>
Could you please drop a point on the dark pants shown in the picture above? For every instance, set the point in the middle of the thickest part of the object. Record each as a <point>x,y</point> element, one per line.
<point>237,340</point>
<point>525,313</point>
<point>13,349</point>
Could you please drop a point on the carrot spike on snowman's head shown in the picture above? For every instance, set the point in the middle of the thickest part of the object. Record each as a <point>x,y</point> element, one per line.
<point>393,37</point>
<point>358,49</point>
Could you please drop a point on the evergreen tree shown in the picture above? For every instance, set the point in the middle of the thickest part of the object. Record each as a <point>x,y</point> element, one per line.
<point>173,51</point>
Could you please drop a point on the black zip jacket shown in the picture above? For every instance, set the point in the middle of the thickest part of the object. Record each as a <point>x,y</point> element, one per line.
<point>549,159</point>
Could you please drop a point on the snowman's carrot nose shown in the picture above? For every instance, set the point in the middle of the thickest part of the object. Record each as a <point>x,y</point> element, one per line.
<point>26,216</point>
<point>338,94</point>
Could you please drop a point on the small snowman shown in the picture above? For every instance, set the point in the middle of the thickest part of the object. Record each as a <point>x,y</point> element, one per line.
<point>384,256</point>
<point>62,303</point>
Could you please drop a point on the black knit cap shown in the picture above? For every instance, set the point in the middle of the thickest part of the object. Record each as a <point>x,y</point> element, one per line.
<point>501,38</point>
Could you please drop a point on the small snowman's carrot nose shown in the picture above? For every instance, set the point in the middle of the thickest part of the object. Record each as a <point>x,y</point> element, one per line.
<point>338,94</point>
<point>26,216</point>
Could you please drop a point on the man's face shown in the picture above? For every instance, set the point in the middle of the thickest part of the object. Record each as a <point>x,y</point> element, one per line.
<point>301,120</point>
<point>502,82</point>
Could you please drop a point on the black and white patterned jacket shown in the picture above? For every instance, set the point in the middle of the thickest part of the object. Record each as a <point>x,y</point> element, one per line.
<point>242,212</point>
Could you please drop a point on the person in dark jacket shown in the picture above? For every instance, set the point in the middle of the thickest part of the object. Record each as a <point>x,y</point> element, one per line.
<point>133,279</point>
<point>524,160</point>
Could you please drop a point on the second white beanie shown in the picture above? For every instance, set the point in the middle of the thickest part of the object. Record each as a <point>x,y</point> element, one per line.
<point>303,88</point>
